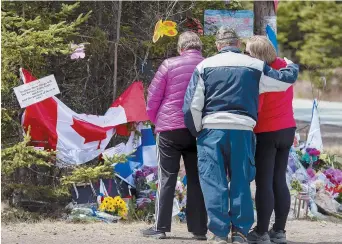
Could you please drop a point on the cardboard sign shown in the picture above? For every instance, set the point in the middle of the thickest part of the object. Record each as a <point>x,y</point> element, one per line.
<point>36,91</point>
<point>241,21</point>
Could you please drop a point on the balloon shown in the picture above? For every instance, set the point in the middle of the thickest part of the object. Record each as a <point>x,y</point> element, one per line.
<point>167,28</point>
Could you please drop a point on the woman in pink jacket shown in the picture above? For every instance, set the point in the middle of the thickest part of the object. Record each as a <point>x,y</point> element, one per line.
<point>164,107</point>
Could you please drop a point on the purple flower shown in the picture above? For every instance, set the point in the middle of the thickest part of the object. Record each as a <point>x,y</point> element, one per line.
<point>334,175</point>
<point>313,151</point>
<point>139,174</point>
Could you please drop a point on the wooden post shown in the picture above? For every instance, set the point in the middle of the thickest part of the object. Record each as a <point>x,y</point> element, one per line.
<point>262,9</point>
<point>116,45</point>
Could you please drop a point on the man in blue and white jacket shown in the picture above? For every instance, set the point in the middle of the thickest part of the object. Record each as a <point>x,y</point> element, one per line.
<point>220,108</point>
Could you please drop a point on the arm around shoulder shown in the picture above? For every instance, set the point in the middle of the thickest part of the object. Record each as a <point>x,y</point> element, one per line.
<point>278,80</point>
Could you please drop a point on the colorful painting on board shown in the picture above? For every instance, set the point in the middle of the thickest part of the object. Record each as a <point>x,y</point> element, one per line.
<point>242,21</point>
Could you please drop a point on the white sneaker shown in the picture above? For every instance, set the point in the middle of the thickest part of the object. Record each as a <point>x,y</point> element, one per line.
<point>218,240</point>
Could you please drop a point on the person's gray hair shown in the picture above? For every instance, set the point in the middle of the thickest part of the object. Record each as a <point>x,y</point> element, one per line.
<point>226,36</point>
<point>189,40</point>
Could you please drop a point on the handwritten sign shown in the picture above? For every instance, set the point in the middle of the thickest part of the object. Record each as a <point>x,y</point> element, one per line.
<point>36,91</point>
<point>241,21</point>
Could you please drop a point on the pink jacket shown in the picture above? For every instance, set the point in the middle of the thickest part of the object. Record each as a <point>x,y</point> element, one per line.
<point>167,90</point>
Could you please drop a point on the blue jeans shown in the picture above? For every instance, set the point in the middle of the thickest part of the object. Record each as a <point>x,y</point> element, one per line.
<point>226,154</point>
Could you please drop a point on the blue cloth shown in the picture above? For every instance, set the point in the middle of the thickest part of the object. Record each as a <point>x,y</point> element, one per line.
<point>144,155</point>
<point>185,180</point>
<point>222,153</point>
<point>271,35</point>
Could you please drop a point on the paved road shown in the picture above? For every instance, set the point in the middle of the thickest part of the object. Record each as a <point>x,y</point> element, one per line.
<point>330,113</point>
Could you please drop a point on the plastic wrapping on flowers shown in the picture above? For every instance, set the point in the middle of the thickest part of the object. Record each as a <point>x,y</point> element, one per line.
<point>115,206</point>
<point>311,171</point>
<point>146,182</point>
<point>181,198</point>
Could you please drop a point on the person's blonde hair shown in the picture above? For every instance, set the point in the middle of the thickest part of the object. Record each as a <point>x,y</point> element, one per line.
<point>189,40</point>
<point>261,48</point>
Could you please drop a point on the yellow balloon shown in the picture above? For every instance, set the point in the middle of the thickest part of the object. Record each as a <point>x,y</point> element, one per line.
<point>167,28</point>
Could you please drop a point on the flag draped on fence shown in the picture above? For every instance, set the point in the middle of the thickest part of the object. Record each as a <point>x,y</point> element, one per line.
<point>79,138</point>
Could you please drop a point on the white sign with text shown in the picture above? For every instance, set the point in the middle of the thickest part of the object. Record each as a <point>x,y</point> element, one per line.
<point>36,91</point>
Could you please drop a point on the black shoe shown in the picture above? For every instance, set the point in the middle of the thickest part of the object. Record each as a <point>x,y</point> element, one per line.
<point>238,237</point>
<point>278,236</point>
<point>152,232</point>
<point>199,237</point>
<point>254,237</point>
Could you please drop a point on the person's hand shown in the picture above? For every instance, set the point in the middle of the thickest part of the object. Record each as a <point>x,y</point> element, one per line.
<point>288,61</point>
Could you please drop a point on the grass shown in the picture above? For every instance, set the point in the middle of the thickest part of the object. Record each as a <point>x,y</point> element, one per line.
<point>334,150</point>
<point>16,215</point>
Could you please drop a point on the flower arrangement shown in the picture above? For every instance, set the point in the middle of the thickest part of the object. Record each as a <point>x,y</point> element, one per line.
<point>310,156</point>
<point>180,195</point>
<point>334,175</point>
<point>317,171</point>
<point>145,178</point>
<point>114,206</point>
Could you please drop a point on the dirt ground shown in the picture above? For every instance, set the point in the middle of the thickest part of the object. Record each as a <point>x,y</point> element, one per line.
<point>67,233</point>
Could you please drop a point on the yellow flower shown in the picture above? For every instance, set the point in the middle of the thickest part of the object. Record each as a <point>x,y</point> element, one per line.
<point>122,213</point>
<point>114,205</point>
<point>102,207</point>
<point>107,199</point>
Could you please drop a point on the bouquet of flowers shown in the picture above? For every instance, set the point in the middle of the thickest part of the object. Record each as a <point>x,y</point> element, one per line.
<point>144,176</point>
<point>334,175</point>
<point>181,198</point>
<point>114,206</point>
<point>145,180</point>
<point>310,156</point>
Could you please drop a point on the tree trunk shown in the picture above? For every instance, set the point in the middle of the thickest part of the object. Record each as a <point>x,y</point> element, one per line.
<point>262,9</point>
<point>118,23</point>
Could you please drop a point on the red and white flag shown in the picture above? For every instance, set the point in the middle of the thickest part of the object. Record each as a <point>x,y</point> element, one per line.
<point>79,138</point>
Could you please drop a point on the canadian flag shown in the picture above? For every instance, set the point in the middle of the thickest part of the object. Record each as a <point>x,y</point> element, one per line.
<point>79,138</point>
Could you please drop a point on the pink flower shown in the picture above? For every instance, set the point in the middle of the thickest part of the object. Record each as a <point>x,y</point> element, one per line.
<point>78,51</point>
<point>334,175</point>
<point>313,151</point>
<point>311,172</point>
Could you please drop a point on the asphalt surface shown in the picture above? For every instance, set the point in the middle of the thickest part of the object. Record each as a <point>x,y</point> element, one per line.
<point>330,113</point>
